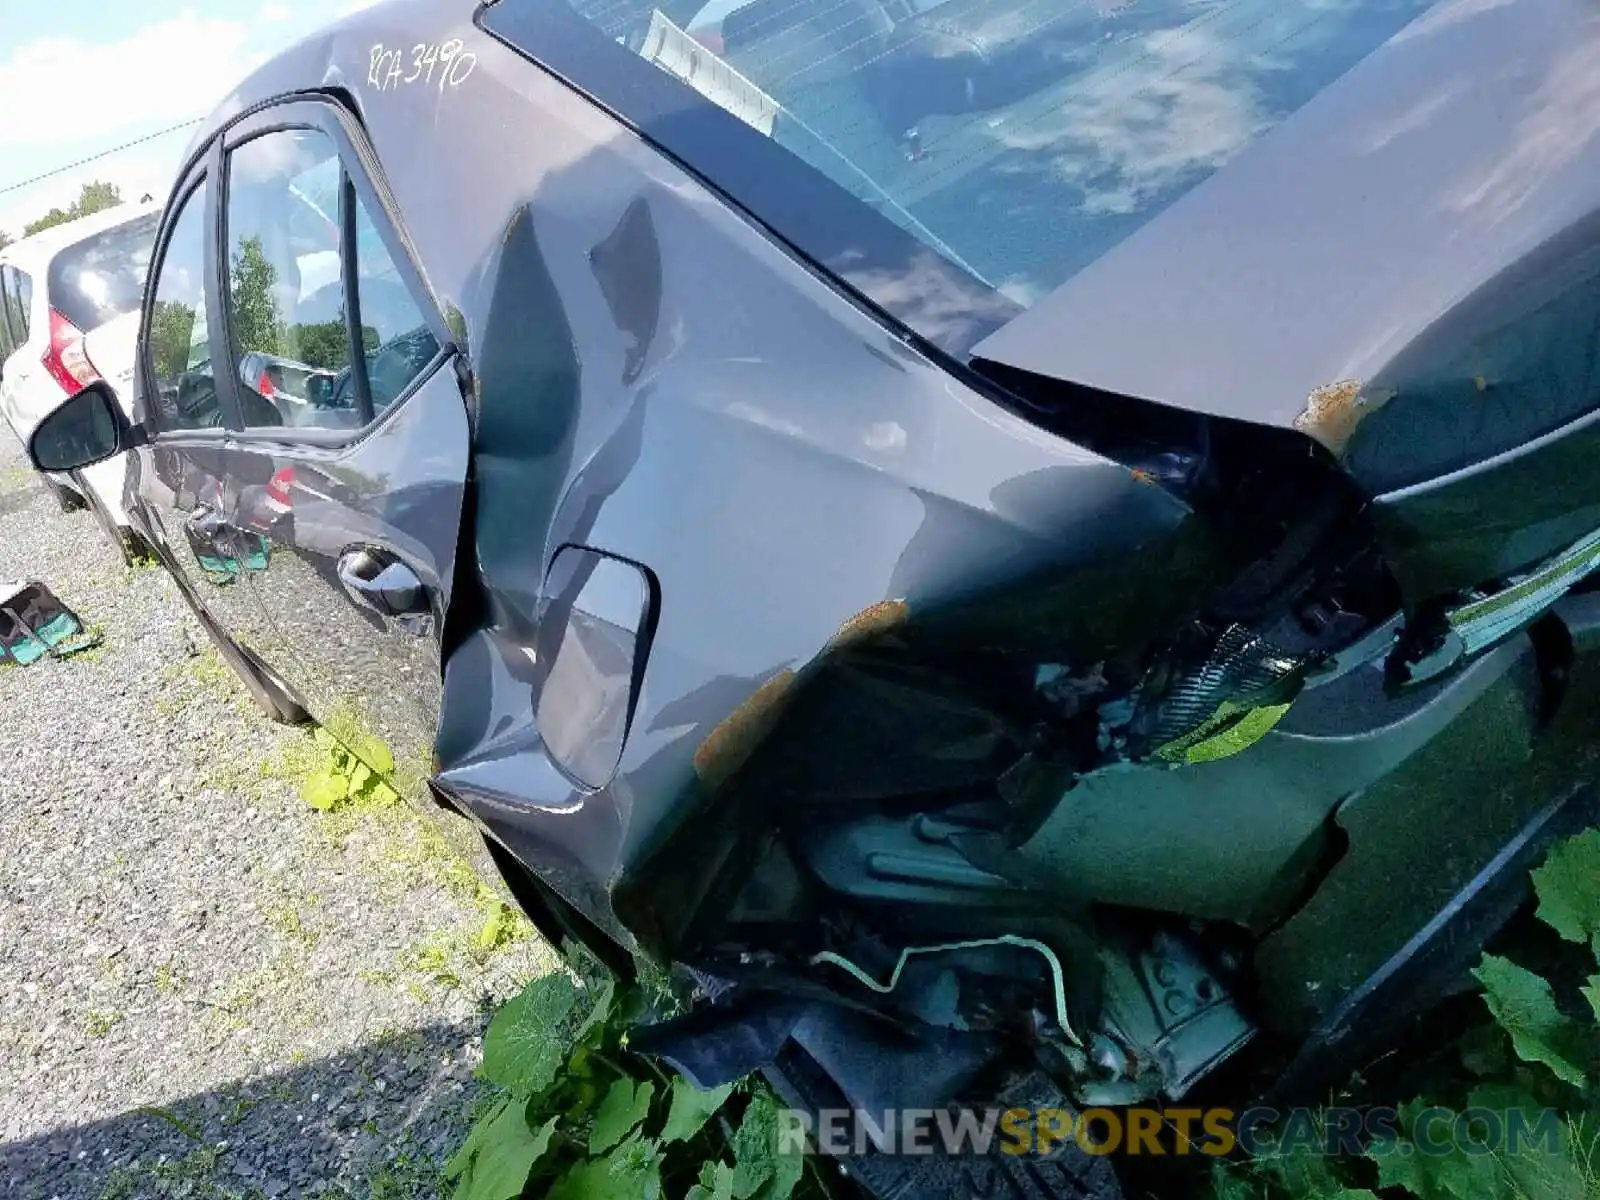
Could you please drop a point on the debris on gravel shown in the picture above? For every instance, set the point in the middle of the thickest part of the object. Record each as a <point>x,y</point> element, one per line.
<point>206,988</point>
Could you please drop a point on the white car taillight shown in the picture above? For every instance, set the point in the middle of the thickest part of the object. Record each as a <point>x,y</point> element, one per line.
<point>66,360</point>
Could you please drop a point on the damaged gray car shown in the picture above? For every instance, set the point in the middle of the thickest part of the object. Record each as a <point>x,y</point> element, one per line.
<point>1043,554</point>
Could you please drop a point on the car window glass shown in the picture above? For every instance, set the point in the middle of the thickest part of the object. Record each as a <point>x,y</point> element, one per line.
<point>7,343</point>
<point>1017,141</point>
<point>18,296</point>
<point>177,342</point>
<point>290,342</point>
<point>102,277</point>
<point>394,334</point>
<point>24,283</point>
<point>290,318</point>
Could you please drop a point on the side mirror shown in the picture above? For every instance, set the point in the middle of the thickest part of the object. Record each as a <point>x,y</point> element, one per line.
<point>84,429</point>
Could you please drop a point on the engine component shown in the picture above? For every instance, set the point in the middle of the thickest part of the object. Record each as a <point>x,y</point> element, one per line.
<point>1166,1021</point>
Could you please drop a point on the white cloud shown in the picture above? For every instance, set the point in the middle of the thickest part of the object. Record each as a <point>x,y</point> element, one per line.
<point>173,69</point>
<point>1558,125</point>
<point>275,12</point>
<point>1181,107</point>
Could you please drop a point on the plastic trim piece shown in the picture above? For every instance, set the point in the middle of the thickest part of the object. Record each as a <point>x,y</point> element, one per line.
<point>1490,618</point>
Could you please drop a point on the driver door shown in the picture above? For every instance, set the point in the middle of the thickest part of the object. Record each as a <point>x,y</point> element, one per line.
<point>348,467</point>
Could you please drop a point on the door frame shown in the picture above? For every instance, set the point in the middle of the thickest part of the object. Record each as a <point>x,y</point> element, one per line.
<point>323,113</point>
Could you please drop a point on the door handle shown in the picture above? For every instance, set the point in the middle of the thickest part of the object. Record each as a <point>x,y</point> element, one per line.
<point>387,587</point>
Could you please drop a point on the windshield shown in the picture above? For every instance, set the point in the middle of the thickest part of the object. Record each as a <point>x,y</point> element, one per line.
<point>102,277</point>
<point>1018,139</point>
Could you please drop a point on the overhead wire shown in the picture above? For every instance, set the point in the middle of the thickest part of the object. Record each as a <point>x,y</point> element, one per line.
<point>50,174</point>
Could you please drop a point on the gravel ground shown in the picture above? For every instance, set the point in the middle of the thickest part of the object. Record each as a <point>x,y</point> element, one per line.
<point>206,988</point>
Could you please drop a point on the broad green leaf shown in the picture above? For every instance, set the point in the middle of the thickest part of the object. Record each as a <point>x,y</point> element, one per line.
<point>1429,1164</point>
<point>528,1039</point>
<point>623,1108</point>
<point>379,794</point>
<point>1568,885</point>
<point>324,790</point>
<point>361,778</point>
<point>1399,1167</point>
<point>375,754</point>
<point>759,1167</point>
<point>592,1031</point>
<point>1228,1182</point>
<point>787,1168</point>
<point>1464,1176</point>
<point>716,1183</point>
<point>755,1146</point>
<point>506,1155</point>
<point>1308,1174</point>
<point>463,1157</point>
<point>1403,1168</point>
<point>1537,1171</point>
<point>1525,1006</point>
<point>1503,1096</point>
<point>632,1171</point>
<point>1592,995</point>
<point>691,1108</point>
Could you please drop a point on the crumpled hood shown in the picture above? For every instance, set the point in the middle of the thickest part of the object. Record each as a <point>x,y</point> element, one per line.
<point>1426,229</point>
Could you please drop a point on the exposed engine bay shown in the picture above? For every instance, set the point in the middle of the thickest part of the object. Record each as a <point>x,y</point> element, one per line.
<point>1099,861</point>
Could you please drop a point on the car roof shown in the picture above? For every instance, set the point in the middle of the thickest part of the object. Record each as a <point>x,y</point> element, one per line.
<point>304,65</point>
<point>34,253</point>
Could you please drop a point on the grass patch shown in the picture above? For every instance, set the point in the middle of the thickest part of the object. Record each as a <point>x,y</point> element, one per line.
<point>192,1176</point>
<point>282,980</point>
<point>408,1173</point>
<point>200,676</point>
<point>368,804</point>
<point>289,919</point>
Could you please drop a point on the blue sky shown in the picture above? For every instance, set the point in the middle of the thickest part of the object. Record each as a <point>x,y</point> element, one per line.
<point>81,76</point>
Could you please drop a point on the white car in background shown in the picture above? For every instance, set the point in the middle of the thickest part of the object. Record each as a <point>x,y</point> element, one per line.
<point>69,303</point>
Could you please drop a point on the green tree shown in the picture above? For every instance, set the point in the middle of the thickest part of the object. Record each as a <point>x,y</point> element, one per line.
<point>54,217</point>
<point>257,322</point>
<point>324,344</point>
<point>97,196</point>
<point>93,197</point>
<point>171,329</point>
<point>5,239</point>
